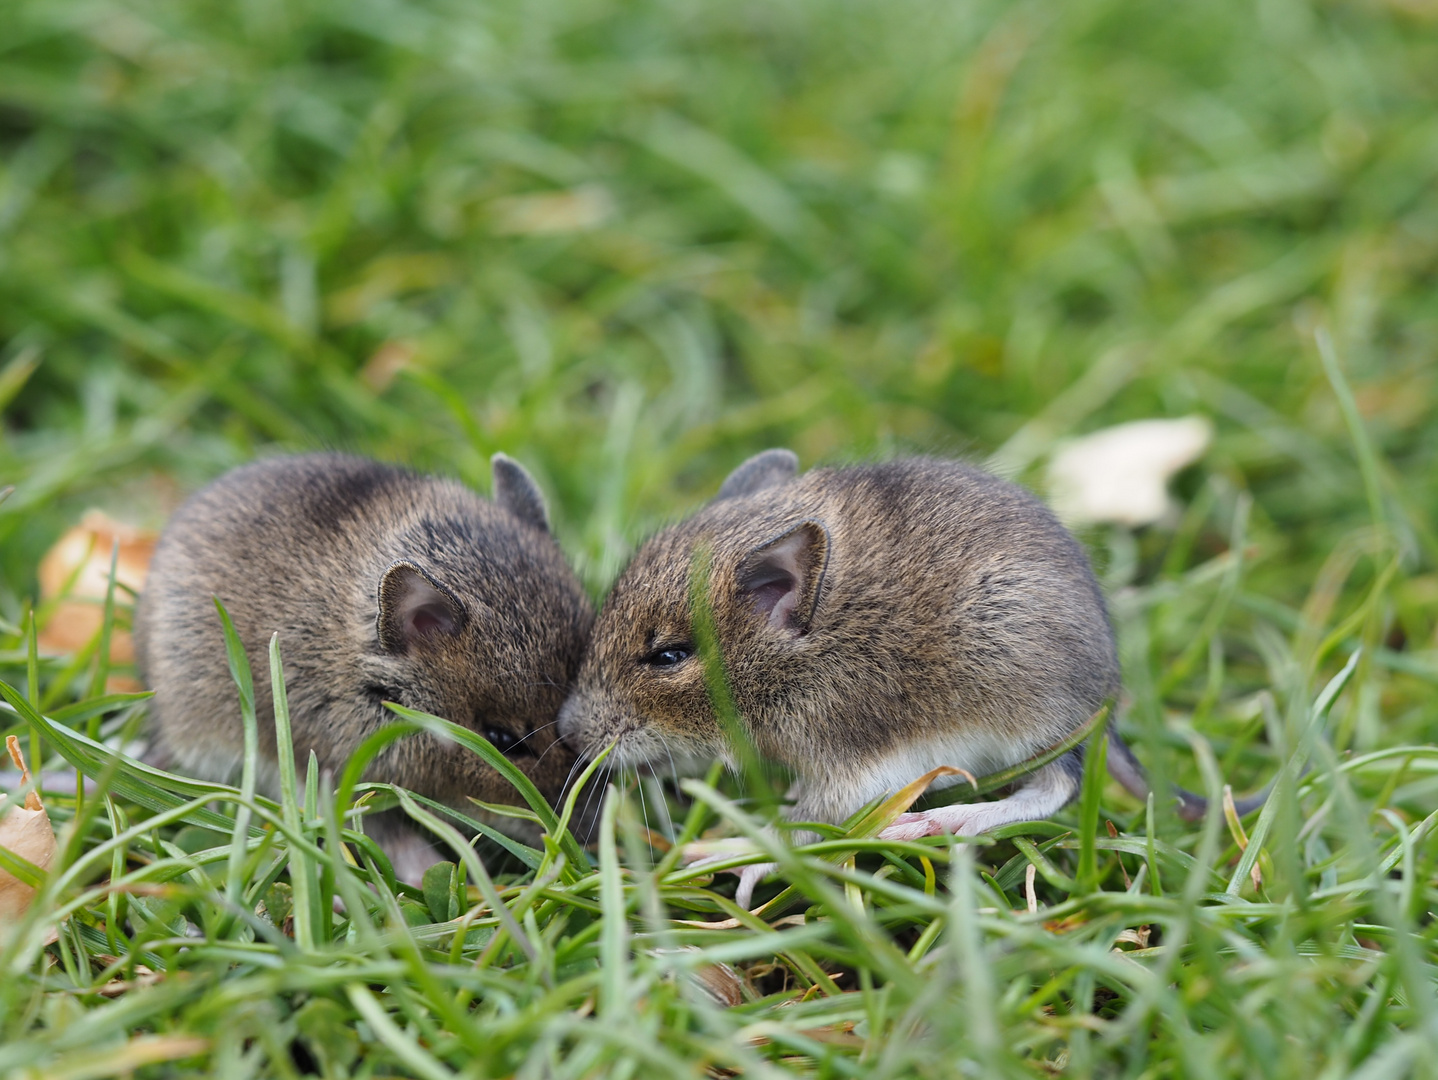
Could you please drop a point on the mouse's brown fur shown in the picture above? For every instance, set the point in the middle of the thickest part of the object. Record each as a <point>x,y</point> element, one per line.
<point>874,622</point>
<point>930,598</point>
<point>383,585</point>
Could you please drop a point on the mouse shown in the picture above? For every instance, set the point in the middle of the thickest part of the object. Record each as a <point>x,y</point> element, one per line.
<point>385,585</point>
<point>874,621</point>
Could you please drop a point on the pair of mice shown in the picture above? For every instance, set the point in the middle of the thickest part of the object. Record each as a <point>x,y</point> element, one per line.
<point>874,622</point>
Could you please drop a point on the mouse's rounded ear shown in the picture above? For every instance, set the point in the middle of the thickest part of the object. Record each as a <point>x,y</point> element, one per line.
<point>413,606</point>
<point>783,578</point>
<point>516,491</point>
<point>760,471</point>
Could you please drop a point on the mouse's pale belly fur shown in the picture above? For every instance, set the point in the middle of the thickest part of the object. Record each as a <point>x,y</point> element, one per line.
<point>976,752</point>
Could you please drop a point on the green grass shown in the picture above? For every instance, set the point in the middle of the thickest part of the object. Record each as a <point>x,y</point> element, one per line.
<point>966,228</point>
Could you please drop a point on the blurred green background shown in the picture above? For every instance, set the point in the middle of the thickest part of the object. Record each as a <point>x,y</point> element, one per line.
<point>631,243</point>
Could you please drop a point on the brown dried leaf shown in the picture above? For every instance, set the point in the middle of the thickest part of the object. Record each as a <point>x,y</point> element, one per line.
<point>381,369</point>
<point>720,982</point>
<point>118,987</point>
<point>25,831</point>
<point>1064,925</point>
<point>1134,935</point>
<point>80,559</point>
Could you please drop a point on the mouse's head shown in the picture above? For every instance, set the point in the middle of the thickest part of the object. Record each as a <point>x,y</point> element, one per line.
<point>482,622</point>
<point>642,684</point>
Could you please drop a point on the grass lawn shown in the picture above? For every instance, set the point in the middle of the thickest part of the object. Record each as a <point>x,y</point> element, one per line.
<point>630,244</point>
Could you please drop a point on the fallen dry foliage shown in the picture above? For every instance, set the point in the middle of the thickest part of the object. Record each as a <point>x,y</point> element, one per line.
<point>24,831</point>
<point>1120,474</point>
<point>75,574</point>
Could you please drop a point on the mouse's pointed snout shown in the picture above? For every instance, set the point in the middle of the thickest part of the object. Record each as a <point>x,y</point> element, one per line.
<point>571,715</point>
<point>591,720</point>
<point>581,723</point>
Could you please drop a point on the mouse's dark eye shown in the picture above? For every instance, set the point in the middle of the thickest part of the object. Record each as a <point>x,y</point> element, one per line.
<point>506,742</point>
<point>668,657</point>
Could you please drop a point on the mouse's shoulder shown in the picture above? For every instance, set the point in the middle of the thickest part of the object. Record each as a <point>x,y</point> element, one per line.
<point>323,488</point>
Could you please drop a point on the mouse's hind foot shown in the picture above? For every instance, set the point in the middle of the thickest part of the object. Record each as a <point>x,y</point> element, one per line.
<point>702,851</point>
<point>1042,794</point>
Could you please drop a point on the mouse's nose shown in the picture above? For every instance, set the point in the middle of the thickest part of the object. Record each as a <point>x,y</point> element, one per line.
<point>572,719</point>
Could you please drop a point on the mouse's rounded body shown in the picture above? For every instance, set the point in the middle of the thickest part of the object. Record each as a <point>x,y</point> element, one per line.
<point>383,585</point>
<point>874,622</point>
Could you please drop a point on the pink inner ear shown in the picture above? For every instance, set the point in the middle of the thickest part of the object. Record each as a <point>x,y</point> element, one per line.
<point>425,611</point>
<point>430,619</point>
<point>775,599</point>
<point>413,608</point>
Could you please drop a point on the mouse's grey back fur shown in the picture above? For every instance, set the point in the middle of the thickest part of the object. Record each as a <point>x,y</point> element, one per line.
<point>935,606</point>
<point>383,585</point>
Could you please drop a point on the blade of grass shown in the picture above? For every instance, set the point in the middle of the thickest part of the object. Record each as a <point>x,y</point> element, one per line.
<point>1292,769</point>
<point>302,875</point>
<point>614,1003</point>
<point>1363,446</point>
<point>245,687</point>
<point>1095,761</point>
<point>32,688</point>
<point>465,853</point>
<point>574,854</point>
<point>133,780</point>
<point>408,1052</point>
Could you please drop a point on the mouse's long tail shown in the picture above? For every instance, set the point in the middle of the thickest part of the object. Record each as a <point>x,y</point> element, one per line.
<point>1129,772</point>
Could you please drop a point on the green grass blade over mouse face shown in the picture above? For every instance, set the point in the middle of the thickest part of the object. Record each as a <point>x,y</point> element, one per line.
<point>757,582</point>
<point>642,684</point>
<point>759,772</point>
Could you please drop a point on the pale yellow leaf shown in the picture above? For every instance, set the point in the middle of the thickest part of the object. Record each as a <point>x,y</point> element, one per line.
<point>552,213</point>
<point>1120,474</point>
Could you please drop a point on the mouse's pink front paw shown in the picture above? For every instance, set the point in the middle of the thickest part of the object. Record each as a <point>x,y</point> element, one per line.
<point>699,852</point>
<point>934,822</point>
<point>910,827</point>
<point>749,876</point>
